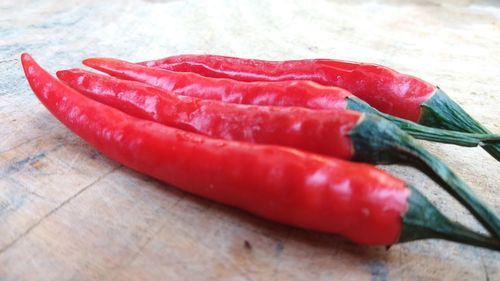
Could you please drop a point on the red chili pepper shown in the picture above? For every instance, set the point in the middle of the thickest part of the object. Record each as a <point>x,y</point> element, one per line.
<point>385,89</point>
<point>381,87</point>
<point>284,93</point>
<point>340,133</point>
<point>359,201</point>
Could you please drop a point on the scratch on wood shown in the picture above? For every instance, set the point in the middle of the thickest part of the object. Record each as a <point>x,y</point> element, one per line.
<point>9,60</point>
<point>22,235</point>
<point>243,271</point>
<point>11,199</point>
<point>143,246</point>
<point>486,274</point>
<point>3,206</point>
<point>57,23</point>
<point>280,246</point>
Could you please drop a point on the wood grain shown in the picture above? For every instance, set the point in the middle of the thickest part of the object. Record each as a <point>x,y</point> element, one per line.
<point>68,213</point>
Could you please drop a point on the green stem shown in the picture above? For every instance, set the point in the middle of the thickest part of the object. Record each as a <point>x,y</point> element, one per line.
<point>426,133</point>
<point>377,141</point>
<point>442,112</point>
<point>423,220</point>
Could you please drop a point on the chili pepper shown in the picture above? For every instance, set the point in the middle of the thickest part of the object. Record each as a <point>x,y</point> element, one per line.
<point>295,93</point>
<point>340,133</point>
<point>383,88</point>
<point>358,201</point>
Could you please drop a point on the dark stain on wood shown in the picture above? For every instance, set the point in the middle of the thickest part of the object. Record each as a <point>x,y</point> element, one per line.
<point>378,271</point>
<point>247,245</point>
<point>20,164</point>
<point>279,247</point>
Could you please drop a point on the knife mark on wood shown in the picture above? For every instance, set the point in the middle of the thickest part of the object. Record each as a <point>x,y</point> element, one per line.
<point>22,235</point>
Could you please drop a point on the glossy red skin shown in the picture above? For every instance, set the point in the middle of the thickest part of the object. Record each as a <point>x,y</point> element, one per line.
<point>284,93</point>
<point>385,89</point>
<point>320,131</point>
<point>359,201</point>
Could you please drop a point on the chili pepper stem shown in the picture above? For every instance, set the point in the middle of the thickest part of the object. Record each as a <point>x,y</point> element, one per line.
<point>426,133</point>
<point>383,142</point>
<point>422,220</point>
<point>442,112</point>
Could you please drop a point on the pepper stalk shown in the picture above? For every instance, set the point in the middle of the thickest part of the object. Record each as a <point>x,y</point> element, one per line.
<point>384,143</point>
<point>429,133</point>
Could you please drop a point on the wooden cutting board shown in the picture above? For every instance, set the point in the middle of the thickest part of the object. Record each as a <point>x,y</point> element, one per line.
<point>69,213</point>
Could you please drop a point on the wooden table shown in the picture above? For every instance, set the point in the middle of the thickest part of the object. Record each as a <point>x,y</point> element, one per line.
<point>69,213</point>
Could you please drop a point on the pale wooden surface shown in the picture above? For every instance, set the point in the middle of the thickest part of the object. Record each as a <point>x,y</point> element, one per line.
<point>68,213</point>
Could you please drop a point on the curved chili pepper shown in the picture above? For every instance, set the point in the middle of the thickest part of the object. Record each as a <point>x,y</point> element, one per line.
<point>383,88</point>
<point>340,133</point>
<point>285,93</point>
<point>358,201</point>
